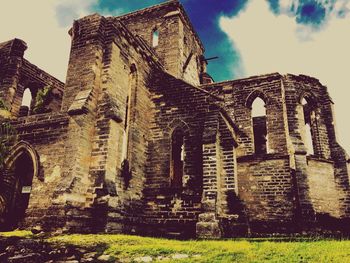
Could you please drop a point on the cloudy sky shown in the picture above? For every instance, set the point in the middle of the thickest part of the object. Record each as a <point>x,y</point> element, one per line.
<point>250,37</point>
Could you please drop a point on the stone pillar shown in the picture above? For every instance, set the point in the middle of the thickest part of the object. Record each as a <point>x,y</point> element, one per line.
<point>339,156</point>
<point>208,225</point>
<point>85,60</point>
<point>81,99</point>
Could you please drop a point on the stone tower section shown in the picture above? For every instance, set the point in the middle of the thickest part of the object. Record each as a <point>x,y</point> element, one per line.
<point>167,29</point>
<point>109,105</point>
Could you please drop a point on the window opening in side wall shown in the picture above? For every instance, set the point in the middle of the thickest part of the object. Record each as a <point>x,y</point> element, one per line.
<point>26,103</point>
<point>155,38</point>
<point>259,126</point>
<point>177,158</point>
<point>27,98</point>
<point>307,120</point>
<point>130,102</point>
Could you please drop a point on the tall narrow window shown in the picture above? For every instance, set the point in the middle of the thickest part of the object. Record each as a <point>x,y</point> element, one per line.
<point>177,158</point>
<point>125,131</point>
<point>129,112</point>
<point>26,103</point>
<point>259,126</point>
<point>27,98</point>
<point>308,140</point>
<point>155,38</point>
<point>306,118</point>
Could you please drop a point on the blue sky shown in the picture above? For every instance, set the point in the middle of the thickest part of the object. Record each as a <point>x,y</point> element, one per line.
<point>251,37</point>
<point>205,16</point>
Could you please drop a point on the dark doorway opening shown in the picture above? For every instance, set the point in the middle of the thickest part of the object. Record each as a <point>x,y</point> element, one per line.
<point>20,179</point>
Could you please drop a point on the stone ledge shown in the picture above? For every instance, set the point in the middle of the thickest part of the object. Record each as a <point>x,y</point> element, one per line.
<point>208,230</point>
<point>319,159</point>
<point>40,120</point>
<point>262,157</point>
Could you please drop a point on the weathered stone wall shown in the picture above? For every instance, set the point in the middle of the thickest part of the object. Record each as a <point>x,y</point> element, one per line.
<point>283,97</point>
<point>177,105</point>
<point>324,138</point>
<point>98,103</point>
<point>36,79</point>
<point>299,87</point>
<point>263,180</point>
<point>265,187</point>
<point>323,191</point>
<point>126,79</point>
<point>46,133</point>
<point>239,96</point>
<point>80,100</point>
<point>220,202</point>
<point>11,54</point>
<point>191,54</point>
<point>18,74</point>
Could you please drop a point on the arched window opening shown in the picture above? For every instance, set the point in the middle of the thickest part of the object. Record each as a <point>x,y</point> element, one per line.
<point>155,38</point>
<point>258,108</point>
<point>177,158</point>
<point>130,102</point>
<point>26,102</point>
<point>259,126</point>
<point>27,98</point>
<point>307,122</point>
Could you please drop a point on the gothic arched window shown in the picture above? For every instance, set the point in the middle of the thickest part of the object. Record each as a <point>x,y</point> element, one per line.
<point>308,125</point>
<point>26,104</point>
<point>259,126</point>
<point>27,98</point>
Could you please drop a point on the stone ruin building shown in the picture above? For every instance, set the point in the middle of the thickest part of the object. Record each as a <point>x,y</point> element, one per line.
<point>140,139</point>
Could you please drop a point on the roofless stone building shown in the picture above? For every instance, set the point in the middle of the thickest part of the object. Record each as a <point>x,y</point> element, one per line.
<point>139,139</point>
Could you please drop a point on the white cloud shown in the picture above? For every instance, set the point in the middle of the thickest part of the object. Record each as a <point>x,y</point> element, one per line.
<point>44,27</point>
<point>269,43</point>
<point>331,8</point>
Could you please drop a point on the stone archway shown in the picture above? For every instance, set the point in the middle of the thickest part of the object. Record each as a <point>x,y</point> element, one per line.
<point>20,168</point>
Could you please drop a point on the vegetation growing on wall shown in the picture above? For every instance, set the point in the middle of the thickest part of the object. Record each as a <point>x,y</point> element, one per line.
<point>4,111</point>
<point>42,99</point>
<point>7,134</point>
<point>2,105</point>
<point>7,138</point>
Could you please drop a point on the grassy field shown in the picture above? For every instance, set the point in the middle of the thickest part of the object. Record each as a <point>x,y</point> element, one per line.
<point>142,249</point>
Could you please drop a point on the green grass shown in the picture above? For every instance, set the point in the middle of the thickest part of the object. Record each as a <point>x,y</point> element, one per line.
<point>128,248</point>
<point>17,233</point>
